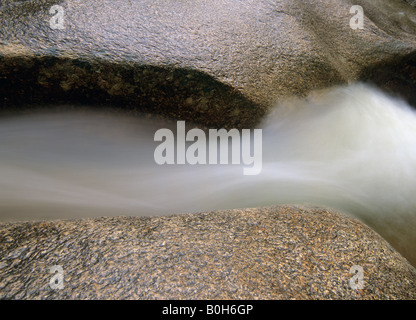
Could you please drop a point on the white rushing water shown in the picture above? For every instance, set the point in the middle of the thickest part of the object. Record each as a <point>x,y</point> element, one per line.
<point>350,148</point>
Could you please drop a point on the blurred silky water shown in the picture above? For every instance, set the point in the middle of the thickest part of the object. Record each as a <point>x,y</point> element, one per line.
<point>351,148</point>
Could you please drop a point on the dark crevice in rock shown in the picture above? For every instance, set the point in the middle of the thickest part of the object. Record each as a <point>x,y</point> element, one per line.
<point>27,7</point>
<point>411,2</point>
<point>396,76</point>
<point>177,93</point>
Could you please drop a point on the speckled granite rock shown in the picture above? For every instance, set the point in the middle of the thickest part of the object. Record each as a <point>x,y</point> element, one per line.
<point>286,252</point>
<point>220,63</point>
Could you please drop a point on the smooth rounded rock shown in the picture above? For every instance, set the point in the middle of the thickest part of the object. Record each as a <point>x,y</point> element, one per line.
<point>221,63</point>
<point>285,252</point>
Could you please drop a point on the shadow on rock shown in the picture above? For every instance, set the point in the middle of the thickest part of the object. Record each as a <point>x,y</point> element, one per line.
<point>396,76</point>
<point>177,93</point>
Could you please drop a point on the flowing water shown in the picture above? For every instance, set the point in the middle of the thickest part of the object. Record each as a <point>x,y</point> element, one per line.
<point>351,148</point>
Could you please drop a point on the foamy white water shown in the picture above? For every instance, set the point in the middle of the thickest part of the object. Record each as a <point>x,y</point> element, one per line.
<point>350,148</point>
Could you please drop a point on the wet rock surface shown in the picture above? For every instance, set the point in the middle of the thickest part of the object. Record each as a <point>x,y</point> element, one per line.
<point>221,64</point>
<point>285,252</point>
<point>218,63</point>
